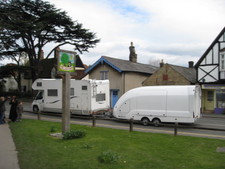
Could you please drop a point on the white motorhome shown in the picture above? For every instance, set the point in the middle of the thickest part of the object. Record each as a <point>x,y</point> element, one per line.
<point>86,96</point>
<point>158,104</point>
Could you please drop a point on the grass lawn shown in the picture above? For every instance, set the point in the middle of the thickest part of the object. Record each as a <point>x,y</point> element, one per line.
<point>136,150</point>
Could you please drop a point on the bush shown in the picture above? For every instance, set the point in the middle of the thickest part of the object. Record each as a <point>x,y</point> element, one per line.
<point>86,146</point>
<point>108,157</point>
<point>74,134</point>
<point>53,129</point>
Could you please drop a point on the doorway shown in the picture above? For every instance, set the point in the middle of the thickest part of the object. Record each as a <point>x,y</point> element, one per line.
<point>114,97</point>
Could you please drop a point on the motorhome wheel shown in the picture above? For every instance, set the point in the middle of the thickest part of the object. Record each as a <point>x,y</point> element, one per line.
<point>35,109</point>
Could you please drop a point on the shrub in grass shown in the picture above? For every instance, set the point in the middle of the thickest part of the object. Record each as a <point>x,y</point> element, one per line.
<point>86,146</point>
<point>53,129</point>
<point>73,134</point>
<point>108,157</point>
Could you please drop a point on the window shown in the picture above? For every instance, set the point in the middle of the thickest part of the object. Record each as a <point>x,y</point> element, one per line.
<point>222,61</point>
<point>84,87</point>
<point>104,75</point>
<point>52,92</point>
<point>39,96</point>
<point>39,84</point>
<point>210,95</point>
<point>115,92</point>
<point>165,77</point>
<point>100,97</point>
<point>71,91</point>
<point>220,99</point>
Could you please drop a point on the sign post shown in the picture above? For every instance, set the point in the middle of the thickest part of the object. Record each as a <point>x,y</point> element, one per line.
<point>66,61</point>
<point>66,103</point>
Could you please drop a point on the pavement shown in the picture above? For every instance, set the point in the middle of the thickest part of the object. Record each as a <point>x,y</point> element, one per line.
<point>8,153</point>
<point>221,116</point>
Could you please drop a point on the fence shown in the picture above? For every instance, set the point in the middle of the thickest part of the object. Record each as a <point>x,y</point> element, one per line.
<point>130,122</point>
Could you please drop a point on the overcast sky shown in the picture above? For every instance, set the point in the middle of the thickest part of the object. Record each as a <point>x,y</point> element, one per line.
<point>176,31</point>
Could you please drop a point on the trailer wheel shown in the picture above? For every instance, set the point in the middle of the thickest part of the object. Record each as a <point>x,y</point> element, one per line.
<point>35,109</point>
<point>145,121</point>
<point>156,122</point>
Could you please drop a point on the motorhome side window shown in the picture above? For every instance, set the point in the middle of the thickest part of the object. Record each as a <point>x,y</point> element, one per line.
<point>100,97</point>
<point>84,87</point>
<point>52,92</point>
<point>71,91</point>
<point>39,84</point>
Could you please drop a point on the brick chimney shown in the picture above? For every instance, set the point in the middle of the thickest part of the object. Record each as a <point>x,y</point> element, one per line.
<point>161,63</point>
<point>133,55</point>
<point>191,64</point>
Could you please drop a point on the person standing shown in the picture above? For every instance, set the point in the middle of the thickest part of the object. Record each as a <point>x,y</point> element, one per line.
<point>19,110</point>
<point>13,114</point>
<point>2,109</point>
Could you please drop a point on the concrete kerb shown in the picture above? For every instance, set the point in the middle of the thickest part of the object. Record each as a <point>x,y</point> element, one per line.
<point>8,153</point>
<point>213,115</point>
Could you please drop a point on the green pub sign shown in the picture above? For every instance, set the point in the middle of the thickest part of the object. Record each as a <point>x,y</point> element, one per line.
<point>66,61</point>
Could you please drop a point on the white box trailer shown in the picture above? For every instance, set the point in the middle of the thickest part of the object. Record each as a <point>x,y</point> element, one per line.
<point>86,96</point>
<point>158,104</point>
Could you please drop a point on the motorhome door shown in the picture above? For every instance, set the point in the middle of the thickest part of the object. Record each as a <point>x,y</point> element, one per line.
<point>39,100</point>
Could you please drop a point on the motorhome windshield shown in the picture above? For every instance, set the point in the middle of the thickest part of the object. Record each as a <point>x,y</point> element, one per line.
<point>39,95</point>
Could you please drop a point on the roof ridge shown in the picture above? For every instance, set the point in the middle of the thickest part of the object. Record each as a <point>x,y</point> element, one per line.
<point>180,66</point>
<point>210,47</point>
<point>129,61</point>
<point>186,72</point>
<point>124,65</point>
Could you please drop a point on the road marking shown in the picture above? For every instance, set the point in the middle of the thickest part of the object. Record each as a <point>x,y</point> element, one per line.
<point>135,129</point>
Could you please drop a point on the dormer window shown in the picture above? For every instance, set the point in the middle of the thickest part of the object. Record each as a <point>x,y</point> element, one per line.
<point>222,61</point>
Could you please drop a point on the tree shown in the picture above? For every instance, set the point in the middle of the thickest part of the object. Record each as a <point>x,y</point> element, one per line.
<point>65,58</point>
<point>155,62</point>
<point>28,25</point>
<point>14,71</point>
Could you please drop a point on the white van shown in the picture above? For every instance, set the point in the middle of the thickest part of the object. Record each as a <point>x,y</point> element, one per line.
<point>86,96</point>
<point>158,104</point>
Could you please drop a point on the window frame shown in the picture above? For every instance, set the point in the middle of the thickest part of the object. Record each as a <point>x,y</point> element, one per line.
<point>210,95</point>
<point>84,88</point>
<point>222,61</point>
<point>100,97</point>
<point>52,94</point>
<point>72,92</point>
<point>104,75</point>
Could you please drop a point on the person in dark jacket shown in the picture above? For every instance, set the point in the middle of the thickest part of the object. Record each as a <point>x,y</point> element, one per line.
<point>13,114</point>
<point>2,109</point>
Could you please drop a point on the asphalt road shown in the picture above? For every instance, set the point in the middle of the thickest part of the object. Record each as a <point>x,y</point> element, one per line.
<point>207,126</point>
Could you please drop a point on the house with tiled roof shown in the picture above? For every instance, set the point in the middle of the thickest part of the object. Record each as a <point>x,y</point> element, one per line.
<point>169,74</point>
<point>211,75</point>
<point>47,68</point>
<point>122,74</point>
